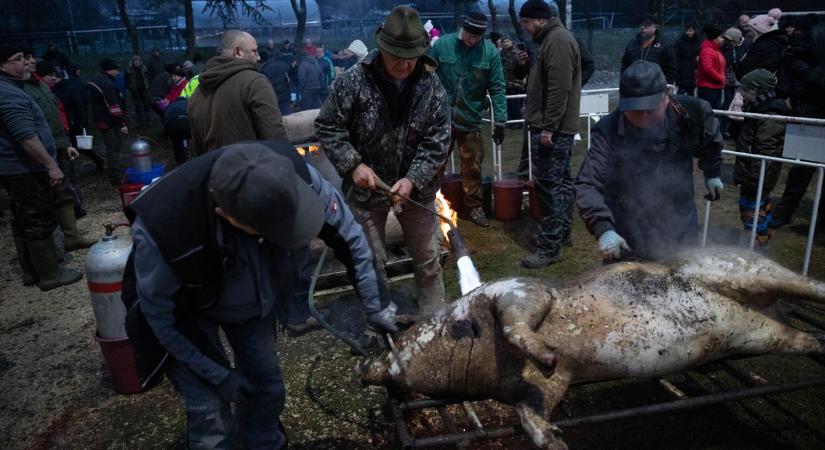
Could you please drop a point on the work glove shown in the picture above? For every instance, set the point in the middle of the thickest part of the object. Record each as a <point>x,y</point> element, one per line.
<point>611,244</point>
<point>235,388</point>
<point>715,188</point>
<point>498,134</point>
<point>384,320</point>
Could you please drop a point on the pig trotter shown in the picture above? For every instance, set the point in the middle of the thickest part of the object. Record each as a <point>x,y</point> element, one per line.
<point>544,434</point>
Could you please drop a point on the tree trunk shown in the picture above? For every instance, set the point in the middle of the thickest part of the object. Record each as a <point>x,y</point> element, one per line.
<point>457,14</point>
<point>587,17</point>
<point>300,10</point>
<point>492,5</point>
<point>514,20</point>
<point>130,29</point>
<point>568,14</point>
<point>190,29</point>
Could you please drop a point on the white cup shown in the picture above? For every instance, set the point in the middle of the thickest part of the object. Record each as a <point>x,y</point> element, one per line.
<point>84,142</point>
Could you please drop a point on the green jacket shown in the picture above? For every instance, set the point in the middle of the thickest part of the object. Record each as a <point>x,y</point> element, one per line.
<point>48,102</point>
<point>760,137</point>
<point>555,82</point>
<point>468,76</point>
<point>354,126</point>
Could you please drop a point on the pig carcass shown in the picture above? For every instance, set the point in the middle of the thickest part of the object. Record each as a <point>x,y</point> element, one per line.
<point>523,341</point>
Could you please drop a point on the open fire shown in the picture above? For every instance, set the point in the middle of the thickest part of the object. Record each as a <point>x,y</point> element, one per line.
<point>468,278</point>
<point>304,151</point>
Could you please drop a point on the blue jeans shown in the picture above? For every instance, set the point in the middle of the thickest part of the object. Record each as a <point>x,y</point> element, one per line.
<point>209,417</point>
<point>551,172</point>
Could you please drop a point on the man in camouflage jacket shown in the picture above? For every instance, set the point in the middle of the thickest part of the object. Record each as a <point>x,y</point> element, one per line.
<point>387,118</point>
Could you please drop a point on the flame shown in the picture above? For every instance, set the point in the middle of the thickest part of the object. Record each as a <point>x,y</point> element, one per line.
<point>303,151</point>
<point>442,206</point>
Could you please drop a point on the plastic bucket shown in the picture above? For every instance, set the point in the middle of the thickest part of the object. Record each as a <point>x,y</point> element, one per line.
<point>120,361</point>
<point>507,196</point>
<point>135,177</point>
<point>535,210</point>
<point>128,192</point>
<point>84,142</point>
<point>453,191</point>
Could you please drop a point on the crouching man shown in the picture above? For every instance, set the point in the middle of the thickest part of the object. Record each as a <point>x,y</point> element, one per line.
<point>212,251</point>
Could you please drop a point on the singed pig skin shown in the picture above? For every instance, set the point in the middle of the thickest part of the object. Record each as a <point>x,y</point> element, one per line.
<point>623,320</point>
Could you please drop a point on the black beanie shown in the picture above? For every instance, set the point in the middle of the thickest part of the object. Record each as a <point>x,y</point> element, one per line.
<point>108,64</point>
<point>43,68</point>
<point>7,51</point>
<point>535,9</point>
<point>475,22</point>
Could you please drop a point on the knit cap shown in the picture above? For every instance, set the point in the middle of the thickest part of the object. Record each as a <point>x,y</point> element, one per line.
<point>760,81</point>
<point>536,9</point>
<point>762,23</point>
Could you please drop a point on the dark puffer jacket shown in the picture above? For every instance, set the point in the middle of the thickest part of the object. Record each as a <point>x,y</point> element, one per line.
<point>687,49</point>
<point>803,67</point>
<point>765,53</point>
<point>760,137</point>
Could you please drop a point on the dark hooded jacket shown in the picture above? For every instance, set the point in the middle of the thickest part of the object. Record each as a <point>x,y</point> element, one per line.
<point>765,53</point>
<point>687,49</point>
<point>234,102</point>
<point>760,137</point>
<point>659,52</point>
<point>277,71</point>
<point>103,93</point>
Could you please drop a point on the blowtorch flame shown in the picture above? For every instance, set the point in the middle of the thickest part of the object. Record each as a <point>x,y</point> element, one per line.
<point>442,206</point>
<point>304,151</point>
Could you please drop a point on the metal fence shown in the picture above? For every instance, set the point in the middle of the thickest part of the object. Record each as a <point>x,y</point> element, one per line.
<point>497,166</point>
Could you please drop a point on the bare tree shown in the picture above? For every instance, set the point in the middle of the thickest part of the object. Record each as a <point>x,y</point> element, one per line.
<point>511,9</point>
<point>492,5</point>
<point>130,27</point>
<point>299,7</point>
<point>227,10</point>
<point>190,29</point>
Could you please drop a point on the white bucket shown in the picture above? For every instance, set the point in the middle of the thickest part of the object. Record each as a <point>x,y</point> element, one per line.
<point>84,142</point>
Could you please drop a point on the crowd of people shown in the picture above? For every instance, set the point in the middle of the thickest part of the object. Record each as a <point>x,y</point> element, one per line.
<point>222,241</point>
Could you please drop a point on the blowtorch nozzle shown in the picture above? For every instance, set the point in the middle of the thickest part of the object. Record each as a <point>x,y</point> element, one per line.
<point>379,183</point>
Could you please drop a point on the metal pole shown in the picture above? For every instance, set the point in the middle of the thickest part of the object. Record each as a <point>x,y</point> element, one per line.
<point>529,154</point>
<point>589,120</point>
<point>812,228</point>
<point>755,220</point>
<point>707,221</point>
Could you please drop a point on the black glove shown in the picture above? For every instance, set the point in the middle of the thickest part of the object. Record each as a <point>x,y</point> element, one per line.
<point>498,134</point>
<point>235,388</point>
<point>384,320</point>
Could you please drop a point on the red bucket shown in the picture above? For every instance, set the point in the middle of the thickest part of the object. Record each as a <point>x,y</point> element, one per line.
<point>128,192</point>
<point>120,361</point>
<point>453,191</point>
<point>507,195</point>
<point>535,211</point>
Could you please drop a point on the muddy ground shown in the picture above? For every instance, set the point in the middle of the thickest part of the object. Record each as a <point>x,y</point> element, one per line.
<point>56,393</point>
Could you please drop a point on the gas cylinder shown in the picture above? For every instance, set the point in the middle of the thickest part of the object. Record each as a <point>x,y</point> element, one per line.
<point>141,156</point>
<point>105,264</point>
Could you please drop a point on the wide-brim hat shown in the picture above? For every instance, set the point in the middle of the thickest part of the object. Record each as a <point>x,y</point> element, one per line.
<point>402,34</point>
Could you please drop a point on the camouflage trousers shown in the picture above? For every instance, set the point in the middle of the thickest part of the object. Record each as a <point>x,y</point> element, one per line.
<point>32,201</point>
<point>471,150</point>
<point>419,228</point>
<point>554,182</point>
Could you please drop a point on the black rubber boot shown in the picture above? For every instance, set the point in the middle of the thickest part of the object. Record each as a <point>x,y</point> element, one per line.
<point>43,257</point>
<point>29,275</point>
<point>72,239</point>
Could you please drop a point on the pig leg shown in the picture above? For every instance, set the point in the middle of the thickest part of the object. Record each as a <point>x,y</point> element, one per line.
<point>521,311</point>
<point>747,277</point>
<point>542,396</point>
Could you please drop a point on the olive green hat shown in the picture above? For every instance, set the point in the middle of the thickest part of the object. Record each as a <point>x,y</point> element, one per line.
<point>402,35</point>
